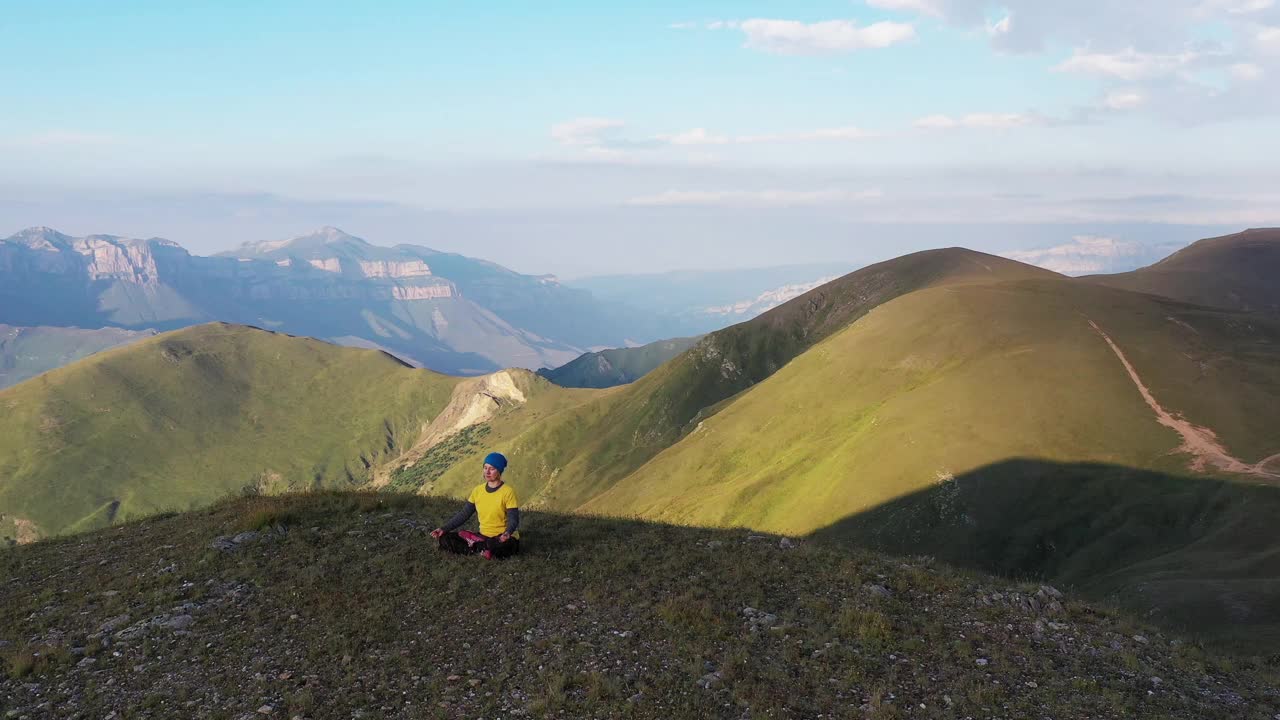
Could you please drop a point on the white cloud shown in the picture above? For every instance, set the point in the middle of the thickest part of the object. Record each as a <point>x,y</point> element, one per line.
<point>1246,71</point>
<point>701,136</point>
<point>924,7</point>
<point>1236,7</point>
<point>1128,64</point>
<point>753,198</point>
<point>979,121</point>
<point>1123,100</point>
<point>1003,27</point>
<point>792,37</point>
<point>1091,254</point>
<point>696,136</point>
<point>585,131</point>
<point>1268,40</point>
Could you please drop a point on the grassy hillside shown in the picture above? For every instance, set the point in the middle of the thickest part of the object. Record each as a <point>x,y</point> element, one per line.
<point>1234,271</point>
<point>337,606</point>
<point>881,387</point>
<point>183,418</point>
<point>938,384</point>
<point>28,351</point>
<point>946,380</point>
<point>1195,555</point>
<point>617,366</point>
<point>568,459</point>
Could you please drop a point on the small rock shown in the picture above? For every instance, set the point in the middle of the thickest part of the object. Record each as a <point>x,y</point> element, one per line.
<point>786,543</point>
<point>111,625</point>
<point>245,537</point>
<point>87,663</point>
<point>454,678</point>
<point>713,544</point>
<point>710,681</point>
<point>179,622</point>
<point>1141,638</point>
<point>284,675</point>
<point>1156,681</point>
<point>982,661</point>
<point>749,611</point>
<point>474,682</point>
<point>640,696</point>
<point>878,590</point>
<point>266,710</point>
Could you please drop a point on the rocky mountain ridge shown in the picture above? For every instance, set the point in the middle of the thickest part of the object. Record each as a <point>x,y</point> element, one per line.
<point>328,284</point>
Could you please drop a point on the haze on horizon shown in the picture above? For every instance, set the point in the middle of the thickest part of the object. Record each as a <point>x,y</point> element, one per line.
<point>566,137</point>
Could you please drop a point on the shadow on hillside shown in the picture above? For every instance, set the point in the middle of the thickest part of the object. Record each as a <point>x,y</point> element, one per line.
<point>1195,555</point>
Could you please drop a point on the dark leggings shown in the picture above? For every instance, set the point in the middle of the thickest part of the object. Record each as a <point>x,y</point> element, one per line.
<point>469,543</point>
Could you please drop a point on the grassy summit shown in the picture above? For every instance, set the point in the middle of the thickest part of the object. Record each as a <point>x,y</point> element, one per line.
<point>337,606</point>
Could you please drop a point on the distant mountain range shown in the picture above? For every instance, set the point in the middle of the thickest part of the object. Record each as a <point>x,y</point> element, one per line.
<point>440,310</point>
<point>328,285</point>
<point>608,368</point>
<point>693,302</point>
<point>26,352</point>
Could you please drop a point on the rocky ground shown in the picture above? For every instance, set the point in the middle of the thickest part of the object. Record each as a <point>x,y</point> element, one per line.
<point>339,606</point>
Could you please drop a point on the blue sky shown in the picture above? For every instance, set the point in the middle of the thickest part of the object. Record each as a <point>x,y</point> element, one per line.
<point>559,121</point>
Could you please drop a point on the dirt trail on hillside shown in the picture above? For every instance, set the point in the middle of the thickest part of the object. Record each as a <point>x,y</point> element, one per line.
<point>1199,442</point>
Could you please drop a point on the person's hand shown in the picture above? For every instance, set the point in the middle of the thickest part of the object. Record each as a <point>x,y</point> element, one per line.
<point>437,533</point>
<point>504,537</point>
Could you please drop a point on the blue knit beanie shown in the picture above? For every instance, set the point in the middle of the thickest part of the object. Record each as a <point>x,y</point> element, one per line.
<point>497,460</point>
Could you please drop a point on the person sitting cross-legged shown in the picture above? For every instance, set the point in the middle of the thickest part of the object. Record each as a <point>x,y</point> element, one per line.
<point>499,511</point>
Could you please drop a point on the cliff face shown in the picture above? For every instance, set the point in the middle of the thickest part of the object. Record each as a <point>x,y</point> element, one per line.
<point>328,285</point>
<point>96,257</point>
<point>391,269</point>
<point>152,263</point>
<point>112,258</point>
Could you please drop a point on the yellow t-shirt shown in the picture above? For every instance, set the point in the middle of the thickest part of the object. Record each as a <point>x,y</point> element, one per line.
<point>492,507</point>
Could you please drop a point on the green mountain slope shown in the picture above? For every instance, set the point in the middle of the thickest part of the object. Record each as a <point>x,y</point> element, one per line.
<point>938,384</point>
<point>1233,271</point>
<point>946,380</point>
<point>618,366</point>
<point>574,456</point>
<point>1193,554</point>
<point>337,606</point>
<point>876,389</point>
<point>184,418</point>
<point>28,351</point>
